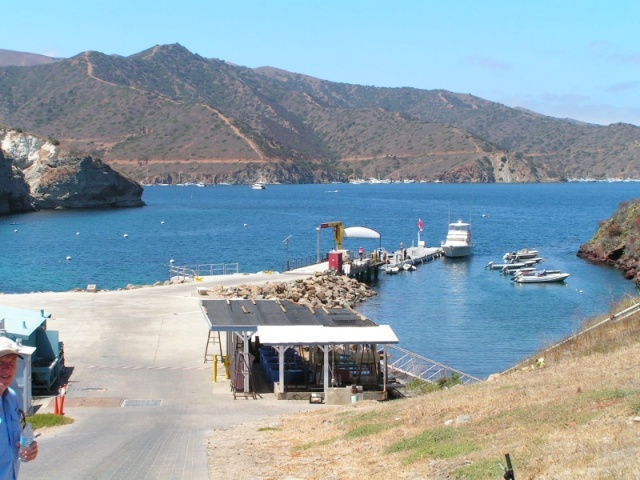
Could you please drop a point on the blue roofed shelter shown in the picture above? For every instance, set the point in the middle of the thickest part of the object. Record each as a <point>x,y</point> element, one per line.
<point>41,368</point>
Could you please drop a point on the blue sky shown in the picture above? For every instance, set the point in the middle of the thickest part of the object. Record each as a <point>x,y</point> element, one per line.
<point>562,58</point>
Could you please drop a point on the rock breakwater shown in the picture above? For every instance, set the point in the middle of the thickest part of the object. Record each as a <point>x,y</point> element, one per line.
<point>324,289</point>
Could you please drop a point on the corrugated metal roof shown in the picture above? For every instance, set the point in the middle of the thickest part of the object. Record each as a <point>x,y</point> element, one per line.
<point>247,315</point>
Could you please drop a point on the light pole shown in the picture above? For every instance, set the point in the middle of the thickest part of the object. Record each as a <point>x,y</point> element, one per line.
<point>286,240</point>
<point>318,248</point>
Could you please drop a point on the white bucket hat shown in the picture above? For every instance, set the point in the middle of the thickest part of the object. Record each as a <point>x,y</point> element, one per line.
<point>9,347</point>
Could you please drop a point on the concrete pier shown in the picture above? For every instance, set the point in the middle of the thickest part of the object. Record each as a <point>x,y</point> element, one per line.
<point>143,400</point>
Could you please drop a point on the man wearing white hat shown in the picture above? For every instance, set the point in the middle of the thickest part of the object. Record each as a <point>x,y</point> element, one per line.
<point>11,416</point>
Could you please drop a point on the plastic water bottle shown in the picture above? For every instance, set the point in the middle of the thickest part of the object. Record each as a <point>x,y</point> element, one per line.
<point>26,439</point>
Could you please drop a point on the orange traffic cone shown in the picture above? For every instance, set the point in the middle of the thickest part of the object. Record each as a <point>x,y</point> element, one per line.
<point>56,407</point>
<point>62,405</point>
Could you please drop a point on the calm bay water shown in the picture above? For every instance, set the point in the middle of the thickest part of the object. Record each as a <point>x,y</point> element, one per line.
<point>454,312</point>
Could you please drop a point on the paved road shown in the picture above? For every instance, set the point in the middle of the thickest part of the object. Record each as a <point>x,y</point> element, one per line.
<point>141,395</point>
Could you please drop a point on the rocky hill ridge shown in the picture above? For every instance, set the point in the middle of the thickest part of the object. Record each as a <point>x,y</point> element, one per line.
<point>166,115</point>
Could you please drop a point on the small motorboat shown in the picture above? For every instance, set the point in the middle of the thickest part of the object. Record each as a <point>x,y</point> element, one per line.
<point>391,269</point>
<point>258,186</point>
<point>520,255</point>
<point>540,276</point>
<point>517,271</point>
<point>504,267</point>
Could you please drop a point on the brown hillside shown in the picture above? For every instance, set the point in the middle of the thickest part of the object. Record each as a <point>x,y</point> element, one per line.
<point>166,114</point>
<point>23,59</point>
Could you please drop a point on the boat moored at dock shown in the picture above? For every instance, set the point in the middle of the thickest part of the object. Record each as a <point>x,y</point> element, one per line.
<point>458,242</point>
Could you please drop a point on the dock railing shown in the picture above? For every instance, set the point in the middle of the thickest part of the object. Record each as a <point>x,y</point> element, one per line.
<point>404,363</point>
<point>294,263</point>
<point>193,272</point>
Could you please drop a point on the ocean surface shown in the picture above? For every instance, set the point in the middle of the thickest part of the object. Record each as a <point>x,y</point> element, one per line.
<point>455,312</point>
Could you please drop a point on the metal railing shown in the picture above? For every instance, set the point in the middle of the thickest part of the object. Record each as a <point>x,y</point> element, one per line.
<point>294,263</point>
<point>411,364</point>
<point>616,317</point>
<point>191,272</point>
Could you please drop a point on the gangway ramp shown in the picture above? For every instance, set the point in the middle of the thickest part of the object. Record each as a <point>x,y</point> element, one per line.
<point>407,364</point>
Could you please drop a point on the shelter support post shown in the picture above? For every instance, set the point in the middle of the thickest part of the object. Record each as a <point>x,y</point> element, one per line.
<point>325,366</point>
<point>280,349</point>
<point>245,363</point>
<point>385,366</point>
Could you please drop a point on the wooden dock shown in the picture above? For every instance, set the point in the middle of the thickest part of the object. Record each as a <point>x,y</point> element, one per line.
<point>363,270</point>
<point>368,268</point>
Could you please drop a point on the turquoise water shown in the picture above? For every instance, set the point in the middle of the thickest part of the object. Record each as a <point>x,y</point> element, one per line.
<point>455,312</point>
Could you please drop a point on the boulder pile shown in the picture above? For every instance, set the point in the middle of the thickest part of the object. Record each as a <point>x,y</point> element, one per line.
<point>324,289</point>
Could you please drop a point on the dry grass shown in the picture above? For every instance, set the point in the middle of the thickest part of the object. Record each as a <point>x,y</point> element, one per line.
<point>574,417</point>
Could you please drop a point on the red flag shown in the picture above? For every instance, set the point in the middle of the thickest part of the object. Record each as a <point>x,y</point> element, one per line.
<point>420,224</point>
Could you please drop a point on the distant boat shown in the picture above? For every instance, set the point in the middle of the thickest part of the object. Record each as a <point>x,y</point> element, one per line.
<point>458,242</point>
<point>258,186</point>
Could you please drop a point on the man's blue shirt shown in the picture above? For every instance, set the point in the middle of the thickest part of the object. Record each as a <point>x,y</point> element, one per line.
<point>10,429</point>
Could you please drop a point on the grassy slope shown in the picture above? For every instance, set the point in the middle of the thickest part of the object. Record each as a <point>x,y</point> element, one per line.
<point>575,417</point>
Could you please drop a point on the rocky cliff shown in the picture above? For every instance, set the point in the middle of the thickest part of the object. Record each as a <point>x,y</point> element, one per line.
<point>36,173</point>
<point>617,241</point>
<point>14,190</point>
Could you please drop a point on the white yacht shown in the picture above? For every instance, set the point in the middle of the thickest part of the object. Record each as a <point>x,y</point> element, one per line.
<point>258,186</point>
<point>458,242</point>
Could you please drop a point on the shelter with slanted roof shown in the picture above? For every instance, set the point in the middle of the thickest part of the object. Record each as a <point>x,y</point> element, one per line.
<point>300,350</point>
<point>41,367</point>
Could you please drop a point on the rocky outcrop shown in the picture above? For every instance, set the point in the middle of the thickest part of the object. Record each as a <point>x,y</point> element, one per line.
<point>503,168</point>
<point>324,289</point>
<point>617,241</point>
<point>38,173</point>
<point>14,190</point>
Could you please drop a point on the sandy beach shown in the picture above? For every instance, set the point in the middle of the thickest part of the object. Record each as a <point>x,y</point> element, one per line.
<point>143,399</point>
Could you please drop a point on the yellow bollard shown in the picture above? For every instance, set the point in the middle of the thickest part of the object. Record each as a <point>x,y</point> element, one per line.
<point>225,362</point>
